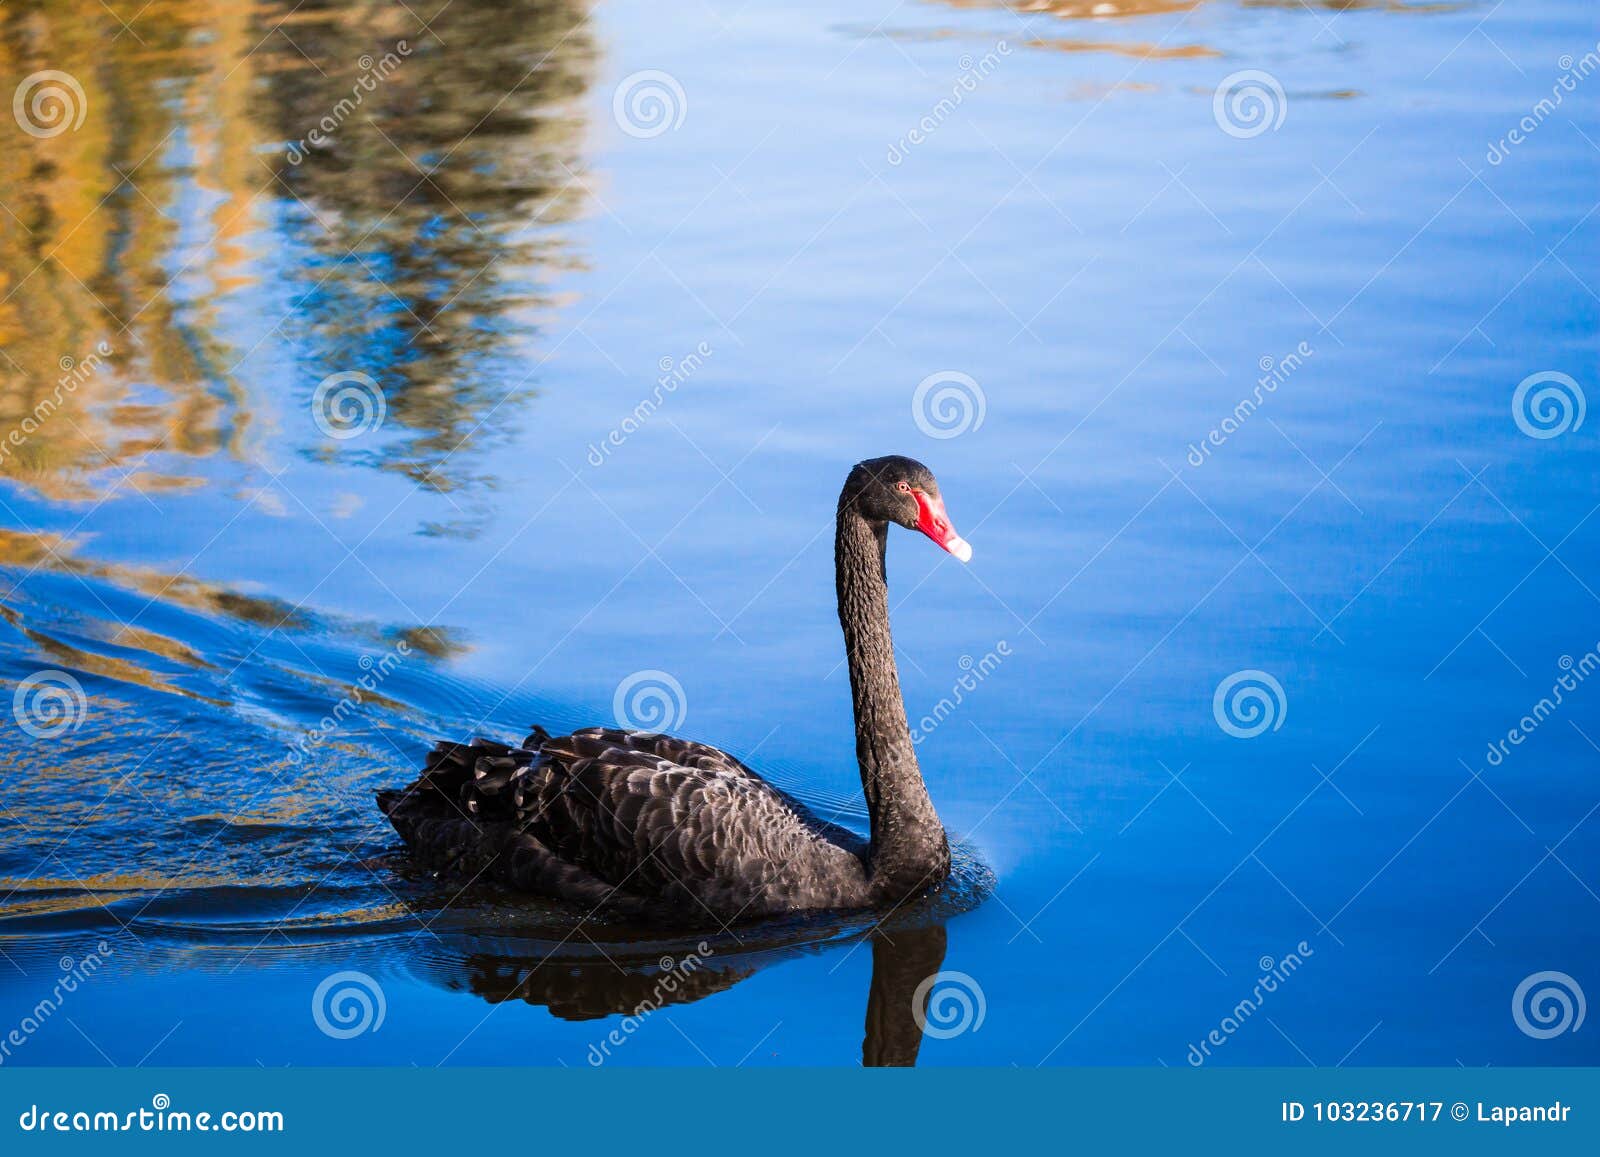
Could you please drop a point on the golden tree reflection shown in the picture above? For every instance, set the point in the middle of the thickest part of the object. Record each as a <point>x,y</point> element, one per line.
<point>416,238</point>
<point>82,249</point>
<point>429,168</point>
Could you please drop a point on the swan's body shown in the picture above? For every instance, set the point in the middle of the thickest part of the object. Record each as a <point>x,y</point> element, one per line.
<point>607,817</point>
<point>649,825</point>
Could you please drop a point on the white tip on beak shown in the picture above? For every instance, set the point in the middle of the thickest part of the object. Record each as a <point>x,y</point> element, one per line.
<point>962,549</point>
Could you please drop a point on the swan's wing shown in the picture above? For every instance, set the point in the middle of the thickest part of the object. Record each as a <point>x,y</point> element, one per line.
<point>688,753</point>
<point>662,816</point>
<point>682,752</point>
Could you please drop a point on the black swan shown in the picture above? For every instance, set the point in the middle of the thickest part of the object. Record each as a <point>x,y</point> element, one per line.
<point>650,826</point>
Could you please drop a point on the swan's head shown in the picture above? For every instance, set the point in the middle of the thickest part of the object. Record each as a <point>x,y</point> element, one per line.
<point>903,490</point>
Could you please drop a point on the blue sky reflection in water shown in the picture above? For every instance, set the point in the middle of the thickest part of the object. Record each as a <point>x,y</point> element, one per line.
<point>1272,557</point>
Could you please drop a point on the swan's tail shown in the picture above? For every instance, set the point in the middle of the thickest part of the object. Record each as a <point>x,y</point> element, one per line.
<point>468,813</point>
<point>477,780</point>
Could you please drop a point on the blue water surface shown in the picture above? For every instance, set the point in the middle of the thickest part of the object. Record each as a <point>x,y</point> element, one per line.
<point>1212,318</point>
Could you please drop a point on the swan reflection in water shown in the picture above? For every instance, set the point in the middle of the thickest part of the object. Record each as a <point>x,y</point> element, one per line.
<point>637,980</point>
<point>531,953</point>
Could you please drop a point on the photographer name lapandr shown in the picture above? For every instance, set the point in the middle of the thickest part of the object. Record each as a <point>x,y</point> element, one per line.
<point>1509,1115</point>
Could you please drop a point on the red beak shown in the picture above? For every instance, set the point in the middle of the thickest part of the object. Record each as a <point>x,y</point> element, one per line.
<point>935,523</point>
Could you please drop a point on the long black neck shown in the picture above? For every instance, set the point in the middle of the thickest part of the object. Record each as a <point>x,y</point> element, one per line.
<point>908,850</point>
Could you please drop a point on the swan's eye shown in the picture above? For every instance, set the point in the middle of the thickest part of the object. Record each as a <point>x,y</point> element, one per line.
<point>904,487</point>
